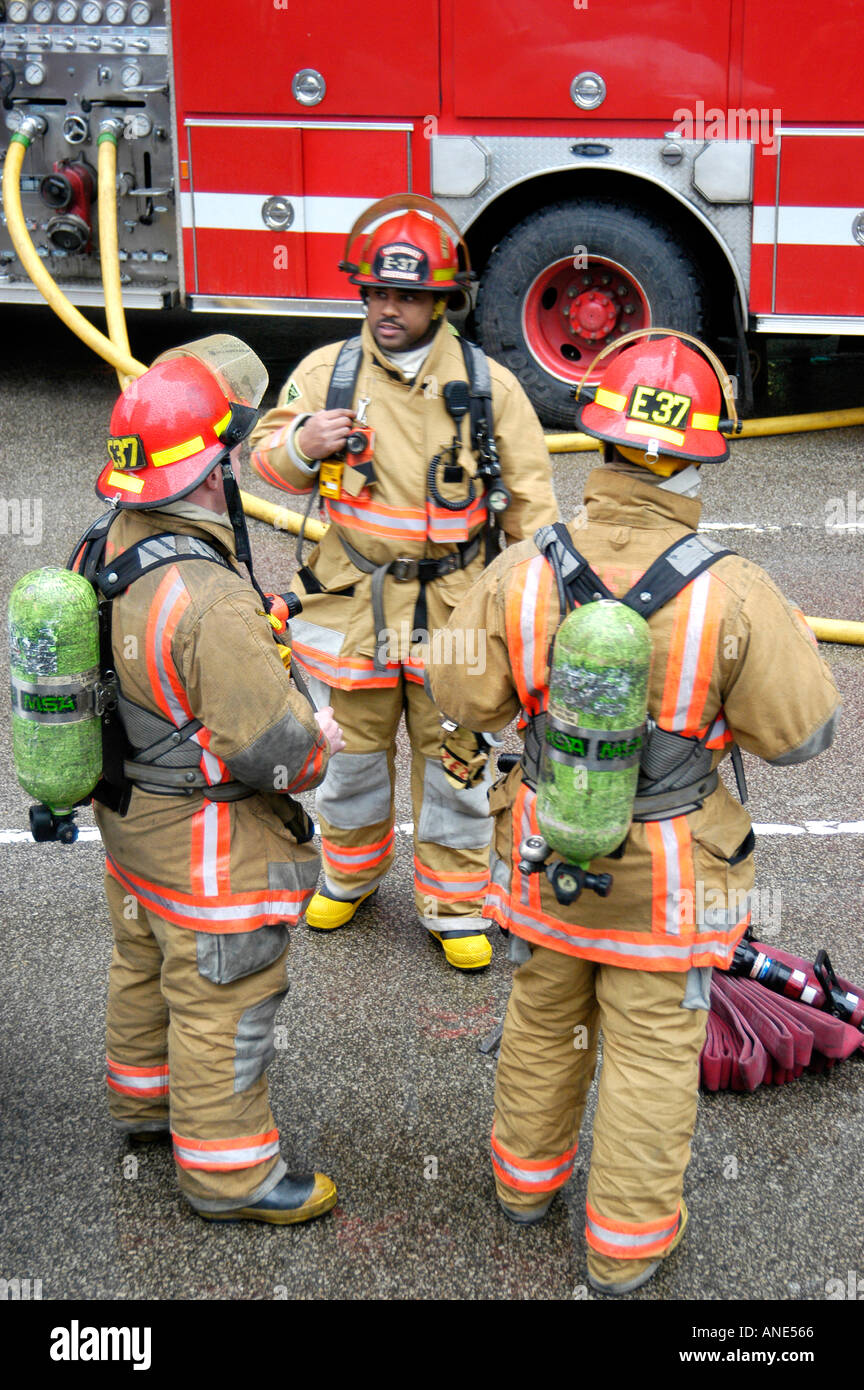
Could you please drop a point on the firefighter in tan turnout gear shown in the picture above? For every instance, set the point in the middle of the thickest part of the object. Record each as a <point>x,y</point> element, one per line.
<point>731,662</point>
<point>425,454</point>
<point>208,860</point>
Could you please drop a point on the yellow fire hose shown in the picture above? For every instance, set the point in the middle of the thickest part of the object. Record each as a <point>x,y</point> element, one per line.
<point>752,429</point>
<point>115,349</point>
<point>49,290</point>
<point>109,251</point>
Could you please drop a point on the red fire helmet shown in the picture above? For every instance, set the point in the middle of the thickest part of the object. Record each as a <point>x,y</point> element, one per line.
<point>411,250</point>
<point>179,419</point>
<point>665,394</point>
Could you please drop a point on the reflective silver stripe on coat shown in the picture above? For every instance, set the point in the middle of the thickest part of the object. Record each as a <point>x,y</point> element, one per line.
<point>533,1175</point>
<point>231,911</point>
<point>629,1241</point>
<point>705,941</point>
<point>407,528</point>
<point>527,621</point>
<point>692,642</point>
<point>673,877</point>
<point>178,714</point>
<point>355,791</point>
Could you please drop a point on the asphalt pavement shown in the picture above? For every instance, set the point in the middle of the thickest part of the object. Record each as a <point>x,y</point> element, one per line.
<point>378,1079</point>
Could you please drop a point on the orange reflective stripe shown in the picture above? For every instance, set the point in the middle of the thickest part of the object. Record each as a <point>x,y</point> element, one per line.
<point>526,615</point>
<point>675,662</point>
<point>145,1083</point>
<point>345,672</point>
<point>311,768</point>
<point>672,884</point>
<point>228,912</point>
<point>531,1174</point>
<point>377,519</point>
<point>450,887</point>
<point>629,1240</point>
<point>225,1155</point>
<point>169,604</point>
<point>692,654</point>
<point>356,858</point>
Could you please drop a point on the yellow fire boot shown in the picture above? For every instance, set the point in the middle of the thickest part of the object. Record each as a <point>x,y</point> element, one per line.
<point>623,1276</point>
<point>293,1199</point>
<point>325,913</point>
<point>465,952</point>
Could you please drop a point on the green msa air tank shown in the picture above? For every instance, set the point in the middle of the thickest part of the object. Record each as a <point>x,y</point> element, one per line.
<point>595,730</point>
<point>54,658</point>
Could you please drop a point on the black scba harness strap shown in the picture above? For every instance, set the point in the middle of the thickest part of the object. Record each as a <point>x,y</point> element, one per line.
<point>676,773</point>
<point>123,764</point>
<point>340,396</point>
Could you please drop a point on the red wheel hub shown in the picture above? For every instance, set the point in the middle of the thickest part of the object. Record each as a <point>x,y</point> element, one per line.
<point>571,312</point>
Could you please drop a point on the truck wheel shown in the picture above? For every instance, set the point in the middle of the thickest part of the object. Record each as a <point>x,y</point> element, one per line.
<point>572,278</point>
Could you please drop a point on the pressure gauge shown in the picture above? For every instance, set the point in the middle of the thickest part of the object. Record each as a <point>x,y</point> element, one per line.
<point>91,12</point>
<point>34,73</point>
<point>141,13</point>
<point>42,11</point>
<point>130,75</point>
<point>67,12</point>
<point>17,12</point>
<point>115,12</point>
<point>136,125</point>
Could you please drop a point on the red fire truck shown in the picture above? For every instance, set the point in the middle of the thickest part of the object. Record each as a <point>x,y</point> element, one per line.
<point>610,164</point>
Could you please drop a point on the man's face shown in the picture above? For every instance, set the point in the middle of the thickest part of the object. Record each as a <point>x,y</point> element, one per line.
<point>400,319</point>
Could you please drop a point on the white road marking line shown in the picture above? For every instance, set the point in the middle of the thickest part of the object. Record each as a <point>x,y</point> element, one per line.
<point>88,833</point>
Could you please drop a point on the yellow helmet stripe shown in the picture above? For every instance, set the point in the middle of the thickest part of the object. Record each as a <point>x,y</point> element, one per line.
<point>445,273</point>
<point>124,481</point>
<point>653,432</point>
<point>704,422</point>
<point>178,452</point>
<point>222,424</point>
<point>610,399</point>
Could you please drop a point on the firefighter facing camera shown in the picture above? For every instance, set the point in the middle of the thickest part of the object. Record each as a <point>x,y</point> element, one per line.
<point>198,741</point>
<point>426,455</point>
<point>666,652</point>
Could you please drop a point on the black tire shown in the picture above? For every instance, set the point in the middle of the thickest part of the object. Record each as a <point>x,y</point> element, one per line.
<point>644,247</point>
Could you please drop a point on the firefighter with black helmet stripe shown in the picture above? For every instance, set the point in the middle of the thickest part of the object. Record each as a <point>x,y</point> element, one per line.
<point>732,661</point>
<point>411,438</point>
<point>208,855</point>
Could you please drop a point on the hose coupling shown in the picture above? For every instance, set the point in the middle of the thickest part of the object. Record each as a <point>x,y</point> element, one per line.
<point>112,126</point>
<point>32,126</point>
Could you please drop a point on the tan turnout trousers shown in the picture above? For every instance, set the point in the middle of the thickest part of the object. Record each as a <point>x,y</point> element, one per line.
<point>186,1052</point>
<point>647,1096</point>
<point>355,807</point>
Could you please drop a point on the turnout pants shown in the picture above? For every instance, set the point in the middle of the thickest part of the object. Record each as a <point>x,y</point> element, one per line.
<point>189,1053</point>
<point>647,1097</point>
<point>355,807</point>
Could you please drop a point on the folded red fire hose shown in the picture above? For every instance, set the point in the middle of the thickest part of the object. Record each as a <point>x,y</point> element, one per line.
<point>773,1015</point>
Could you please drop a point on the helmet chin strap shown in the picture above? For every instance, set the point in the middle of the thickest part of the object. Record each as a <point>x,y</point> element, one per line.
<point>237,517</point>
<point>662,464</point>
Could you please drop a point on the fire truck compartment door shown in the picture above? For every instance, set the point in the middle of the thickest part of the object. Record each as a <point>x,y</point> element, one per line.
<point>820,224</point>
<point>230,55</point>
<point>270,203</point>
<point>245,182</point>
<point>518,60</point>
